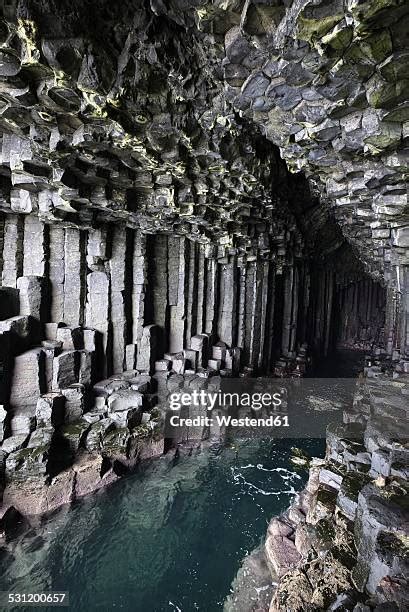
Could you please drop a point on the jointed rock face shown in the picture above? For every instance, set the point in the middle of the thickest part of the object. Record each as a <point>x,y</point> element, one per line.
<point>188,189</point>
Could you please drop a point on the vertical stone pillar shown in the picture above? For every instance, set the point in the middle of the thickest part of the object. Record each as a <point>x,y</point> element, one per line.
<point>177,293</point>
<point>267,300</point>
<point>200,289</point>
<point>138,288</point>
<point>241,307</point>
<point>56,273</point>
<point>355,311</point>
<point>226,322</point>
<point>13,250</point>
<point>74,276</point>
<point>35,246</point>
<point>173,269</point>
<point>160,281</point>
<point>251,292</point>
<point>117,266</point>
<point>258,314</point>
<point>329,305</point>
<point>211,291</point>
<point>368,304</point>
<point>287,342</point>
<point>191,297</point>
<point>304,302</point>
<point>253,342</point>
<point>148,349</point>
<point>320,305</point>
<point>98,316</point>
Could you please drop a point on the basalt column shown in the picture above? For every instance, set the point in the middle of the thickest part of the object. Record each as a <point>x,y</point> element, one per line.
<point>144,296</point>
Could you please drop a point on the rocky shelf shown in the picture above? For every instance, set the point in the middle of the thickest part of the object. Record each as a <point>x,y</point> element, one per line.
<point>343,544</point>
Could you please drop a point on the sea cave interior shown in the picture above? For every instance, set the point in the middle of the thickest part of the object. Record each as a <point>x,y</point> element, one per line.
<point>210,197</point>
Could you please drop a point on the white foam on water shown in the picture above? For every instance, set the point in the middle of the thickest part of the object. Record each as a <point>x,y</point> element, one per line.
<point>285,475</point>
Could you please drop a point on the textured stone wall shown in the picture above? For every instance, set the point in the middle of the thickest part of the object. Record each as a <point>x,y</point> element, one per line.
<point>188,188</point>
<point>147,221</point>
<point>329,84</point>
<point>95,322</point>
<point>147,116</point>
<point>117,281</point>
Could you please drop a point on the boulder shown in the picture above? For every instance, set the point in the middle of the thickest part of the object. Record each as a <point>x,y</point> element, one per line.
<point>281,554</point>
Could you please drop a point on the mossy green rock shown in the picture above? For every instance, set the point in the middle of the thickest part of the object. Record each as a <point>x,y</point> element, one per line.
<point>383,94</point>
<point>377,47</point>
<point>116,442</point>
<point>373,9</point>
<point>74,434</point>
<point>313,29</point>
<point>395,67</point>
<point>27,462</point>
<point>338,38</point>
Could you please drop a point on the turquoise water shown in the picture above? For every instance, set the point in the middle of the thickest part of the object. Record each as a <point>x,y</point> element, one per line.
<point>169,538</point>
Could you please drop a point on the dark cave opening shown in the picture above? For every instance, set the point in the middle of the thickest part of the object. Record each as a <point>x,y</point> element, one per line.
<point>326,302</point>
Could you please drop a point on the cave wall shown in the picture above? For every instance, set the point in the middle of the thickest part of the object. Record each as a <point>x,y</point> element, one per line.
<point>139,189</point>
<point>145,212</point>
<point>120,282</point>
<point>191,189</point>
<point>328,81</point>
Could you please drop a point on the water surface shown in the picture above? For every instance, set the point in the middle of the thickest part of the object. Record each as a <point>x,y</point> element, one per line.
<point>170,537</point>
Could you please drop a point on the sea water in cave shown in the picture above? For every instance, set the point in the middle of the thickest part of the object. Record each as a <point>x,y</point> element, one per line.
<point>171,537</point>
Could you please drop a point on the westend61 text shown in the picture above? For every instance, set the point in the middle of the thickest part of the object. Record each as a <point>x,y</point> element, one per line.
<point>229,421</point>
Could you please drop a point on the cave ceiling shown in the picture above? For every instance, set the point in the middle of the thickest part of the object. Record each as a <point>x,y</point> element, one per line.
<point>172,116</point>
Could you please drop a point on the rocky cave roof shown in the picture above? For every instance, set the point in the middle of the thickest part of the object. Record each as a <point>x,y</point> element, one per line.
<point>170,115</point>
